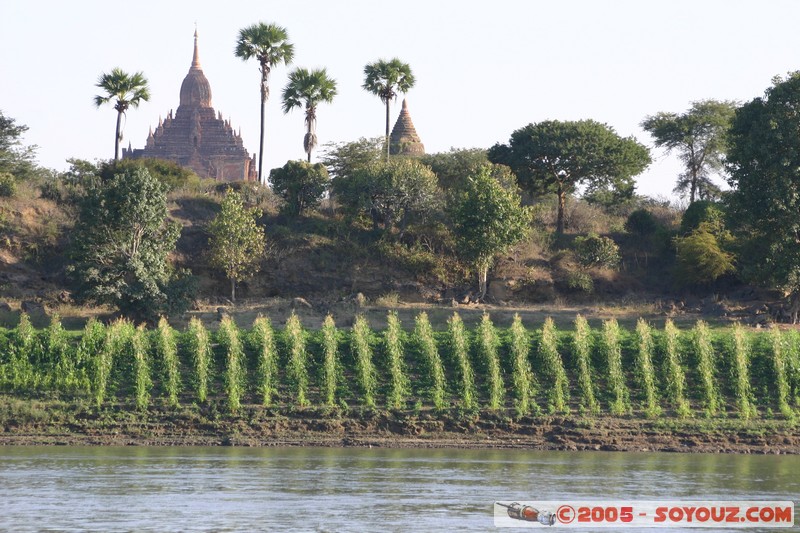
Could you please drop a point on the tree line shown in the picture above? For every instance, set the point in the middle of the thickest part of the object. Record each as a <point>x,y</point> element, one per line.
<point>484,198</point>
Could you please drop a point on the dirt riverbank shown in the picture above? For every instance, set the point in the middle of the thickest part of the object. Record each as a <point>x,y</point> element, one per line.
<point>53,423</point>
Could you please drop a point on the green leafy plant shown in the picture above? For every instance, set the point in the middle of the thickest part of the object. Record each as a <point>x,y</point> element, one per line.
<point>300,184</point>
<point>701,256</point>
<point>362,350</point>
<point>399,385</point>
<point>200,351</point>
<point>706,368</point>
<point>263,338</point>
<point>8,185</point>
<point>167,352</point>
<point>88,353</point>
<point>553,369</point>
<point>22,348</point>
<point>596,251</point>
<point>141,367</point>
<point>58,357</point>
<point>127,264</point>
<point>644,368</point>
<point>296,345</point>
<point>330,360</point>
<point>741,373</point>
<point>237,241</point>
<point>559,156</point>
<point>580,281</point>
<point>459,349</point>
<point>522,376</point>
<point>641,223</point>
<point>675,376</point>
<point>487,343</point>
<point>118,336</point>
<point>610,346</point>
<point>425,343</point>
<point>235,371</point>
<point>582,348</point>
<point>777,354</point>
<point>488,219</point>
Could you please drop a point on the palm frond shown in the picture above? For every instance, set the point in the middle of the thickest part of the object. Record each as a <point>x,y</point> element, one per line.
<point>309,87</point>
<point>269,43</point>
<point>126,89</point>
<point>383,78</point>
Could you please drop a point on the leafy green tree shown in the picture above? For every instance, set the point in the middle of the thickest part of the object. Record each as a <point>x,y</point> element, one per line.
<point>10,133</point>
<point>384,79</point>
<point>15,159</point>
<point>596,251</point>
<point>80,173</point>
<point>392,192</point>
<point>300,184</point>
<point>237,241</point>
<point>8,185</point>
<point>309,89</point>
<point>699,136</point>
<point>167,172</point>
<point>702,258</point>
<point>120,247</point>
<point>270,45</point>
<point>453,168</point>
<point>556,156</point>
<point>642,224</point>
<point>343,160</point>
<point>488,220</point>
<point>763,162</point>
<point>702,211</point>
<point>125,90</point>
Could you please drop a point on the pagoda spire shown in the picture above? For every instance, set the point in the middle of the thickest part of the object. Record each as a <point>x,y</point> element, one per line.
<point>196,56</point>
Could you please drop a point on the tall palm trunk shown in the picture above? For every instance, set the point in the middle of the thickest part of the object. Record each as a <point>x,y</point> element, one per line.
<point>693,171</point>
<point>117,136</point>
<point>310,140</point>
<point>387,130</point>
<point>261,138</point>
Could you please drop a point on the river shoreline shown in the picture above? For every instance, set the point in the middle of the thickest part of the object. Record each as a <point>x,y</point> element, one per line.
<point>35,422</point>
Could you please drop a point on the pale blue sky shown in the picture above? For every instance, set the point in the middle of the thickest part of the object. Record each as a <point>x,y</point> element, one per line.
<point>483,68</point>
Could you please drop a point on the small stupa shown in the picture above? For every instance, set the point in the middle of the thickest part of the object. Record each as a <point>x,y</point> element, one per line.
<point>404,139</point>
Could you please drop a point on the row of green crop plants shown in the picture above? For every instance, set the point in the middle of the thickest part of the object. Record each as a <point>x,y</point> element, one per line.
<point>648,372</point>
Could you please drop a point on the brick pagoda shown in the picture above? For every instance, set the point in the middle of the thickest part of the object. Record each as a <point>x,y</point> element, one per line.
<point>404,139</point>
<point>196,136</point>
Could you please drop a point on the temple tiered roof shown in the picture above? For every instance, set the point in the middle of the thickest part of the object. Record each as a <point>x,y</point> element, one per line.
<point>198,137</point>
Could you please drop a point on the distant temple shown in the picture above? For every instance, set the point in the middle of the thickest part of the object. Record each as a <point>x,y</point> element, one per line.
<point>197,137</point>
<point>404,139</point>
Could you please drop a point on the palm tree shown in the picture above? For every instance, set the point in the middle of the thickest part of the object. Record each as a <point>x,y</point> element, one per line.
<point>309,88</point>
<point>384,78</point>
<point>270,45</point>
<point>129,90</point>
